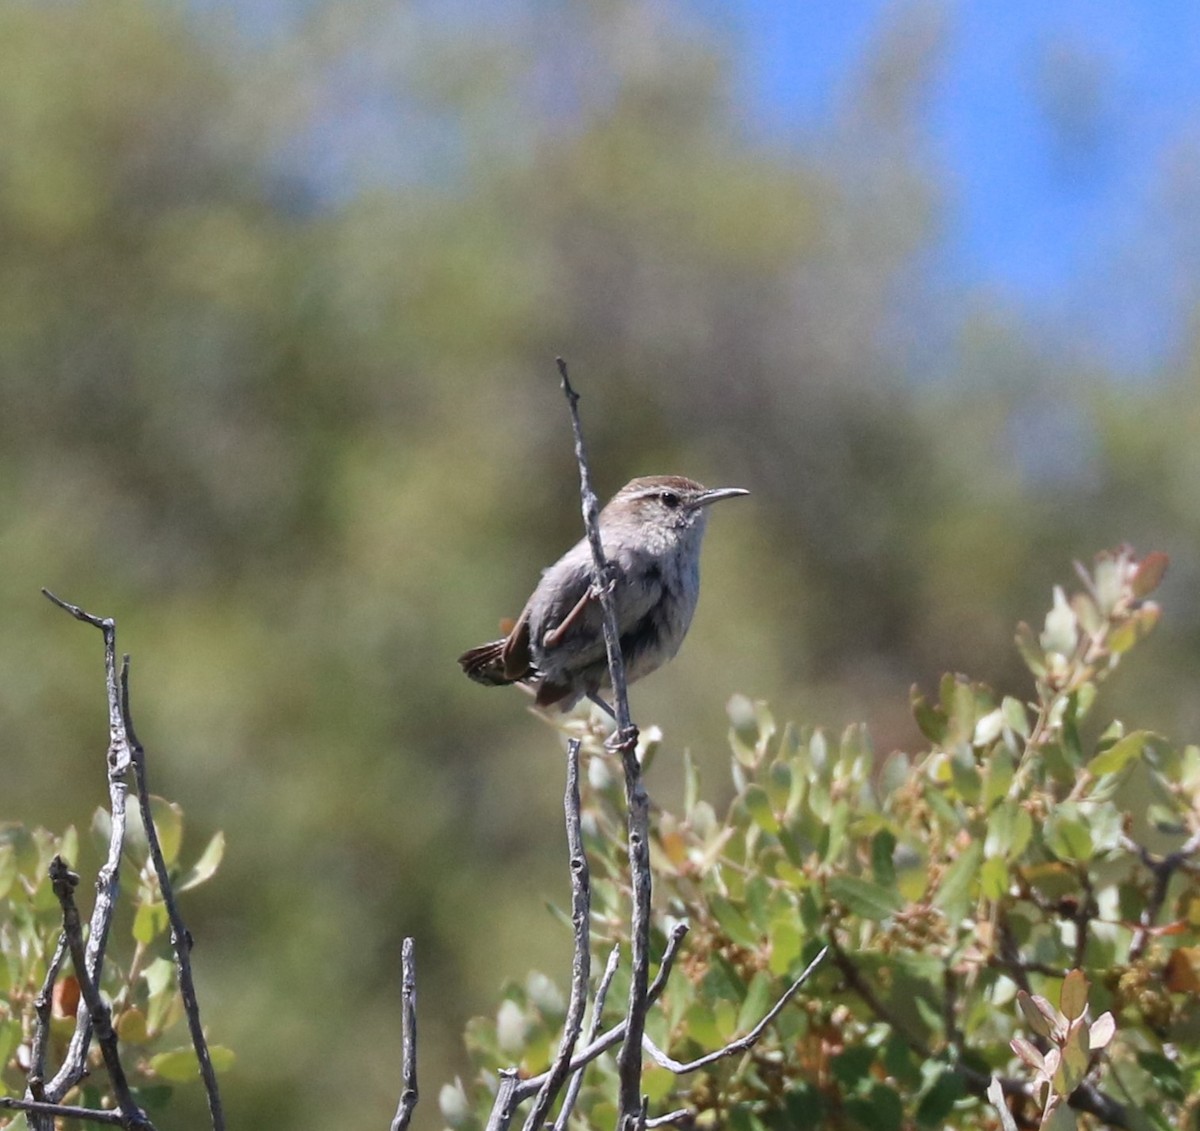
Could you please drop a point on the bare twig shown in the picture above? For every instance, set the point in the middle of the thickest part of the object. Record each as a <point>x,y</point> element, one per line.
<point>504,1107</point>
<point>62,1111</point>
<point>408,1006</point>
<point>681,1118</point>
<point>108,885</point>
<point>181,938</point>
<point>64,882</point>
<point>591,523</point>
<point>602,1044</point>
<point>581,910</point>
<point>569,1100</point>
<point>1162,868</point>
<point>629,1063</point>
<point>741,1044</point>
<point>43,1004</point>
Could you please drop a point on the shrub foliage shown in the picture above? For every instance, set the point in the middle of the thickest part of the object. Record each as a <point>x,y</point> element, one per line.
<point>957,887</point>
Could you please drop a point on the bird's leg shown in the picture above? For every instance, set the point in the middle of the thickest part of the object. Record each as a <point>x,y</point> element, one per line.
<point>554,637</point>
<point>599,701</point>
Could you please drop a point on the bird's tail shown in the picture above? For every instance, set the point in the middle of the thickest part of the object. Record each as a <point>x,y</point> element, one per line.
<point>485,664</point>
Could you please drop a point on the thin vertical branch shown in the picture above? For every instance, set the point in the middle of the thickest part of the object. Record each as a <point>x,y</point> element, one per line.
<point>569,1100</point>
<point>504,1106</point>
<point>108,880</point>
<point>629,1062</point>
<point>581,910</point>
<point>43,1004</point>
<point>64,882</point>
<point>408,1053</point>
<point>602,573</point>
<point>181,937</point>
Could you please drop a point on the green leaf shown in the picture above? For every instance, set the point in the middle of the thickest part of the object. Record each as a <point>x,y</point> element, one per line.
<point>883,848</point>
<point>149,921</point>
<point>1009,829</point>
<point>954,895</point>
<point>1062,627</point>
<point>205,867</point>
<point>758,804</point>
<point>1031,651</point>
<point>1073,1000</point>
<point>1120,753</point>
<point>733,922</point>
<point>1067,835</point>
<point>1016,718</point>
<point>939,1101</point>
<point>180,1064</point>
<point>993,878</point>
<point>759,999</point>
<point>881,1110</point>
<point>8,868</point>
<point>964,772</point>
<point>931,720</point>
<point>835,840</point>
<point>785,945</point>
<point>861,897</point>
<point>160,982</point>
<point>1001,768</point>
<point>779,785</point>
<point>852,1066</point>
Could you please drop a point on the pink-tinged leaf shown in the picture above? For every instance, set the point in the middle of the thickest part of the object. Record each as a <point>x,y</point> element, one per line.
<point>1074,995</point>
<point>1042,1017</point>
<point>1053,1068</point>
<point>1027,1052</point>
<point>1149,574</point>
<point>1103,1029</point>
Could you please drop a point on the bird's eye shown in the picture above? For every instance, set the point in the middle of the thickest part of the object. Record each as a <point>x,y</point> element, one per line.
<point>669,499</point>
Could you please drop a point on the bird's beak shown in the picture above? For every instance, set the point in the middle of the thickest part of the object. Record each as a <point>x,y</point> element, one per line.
<point>716,494</point>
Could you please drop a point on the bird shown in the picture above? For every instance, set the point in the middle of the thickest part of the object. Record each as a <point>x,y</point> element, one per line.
<point>651,531</point>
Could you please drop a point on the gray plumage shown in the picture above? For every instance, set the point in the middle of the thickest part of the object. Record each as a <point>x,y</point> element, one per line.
<point>651,530</point>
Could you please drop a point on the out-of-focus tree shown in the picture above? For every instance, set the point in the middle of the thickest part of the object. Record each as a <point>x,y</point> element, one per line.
<point>300,434</point>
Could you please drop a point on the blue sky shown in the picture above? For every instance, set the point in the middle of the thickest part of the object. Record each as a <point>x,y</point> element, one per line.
<point>1063,135</point>
<point>1066,133</point>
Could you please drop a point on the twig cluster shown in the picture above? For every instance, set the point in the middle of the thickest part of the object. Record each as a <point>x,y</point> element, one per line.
<point>629,1032</point>
<point>43,1100</point>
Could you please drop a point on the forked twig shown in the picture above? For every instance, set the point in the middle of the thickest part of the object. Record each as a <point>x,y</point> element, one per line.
<point>64,882</point>
<point>741,1044</point>
<point>108,883</point>
<point>581,910</point>
<point>569,1100</point>
<point>526,1088</point>
<point>124,751</point>
<point>43,1005</point>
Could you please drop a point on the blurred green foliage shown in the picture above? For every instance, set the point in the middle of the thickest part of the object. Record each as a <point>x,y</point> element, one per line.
<point>306,446</point>
<point>958,887</point>
<point>139,979</point>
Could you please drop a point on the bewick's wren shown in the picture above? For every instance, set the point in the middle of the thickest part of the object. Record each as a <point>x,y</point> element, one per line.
<point>651,530</point>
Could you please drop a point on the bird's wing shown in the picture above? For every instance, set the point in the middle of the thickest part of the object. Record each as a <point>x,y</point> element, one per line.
<point>515,655</point>
<point>571,613</point>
